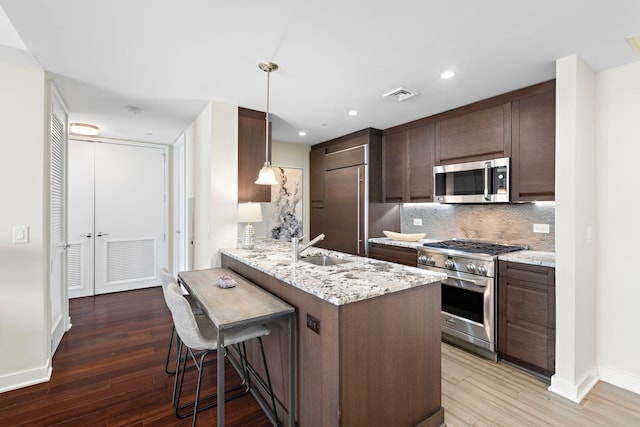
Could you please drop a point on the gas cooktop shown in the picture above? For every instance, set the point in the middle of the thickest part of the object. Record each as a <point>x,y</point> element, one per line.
<point>474,246</point>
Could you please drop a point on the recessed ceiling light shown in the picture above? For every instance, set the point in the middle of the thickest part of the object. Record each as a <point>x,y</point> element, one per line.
<point>84,129</point>
<point>302,133</point>
<point>447,74</point>
<point>353,113</point>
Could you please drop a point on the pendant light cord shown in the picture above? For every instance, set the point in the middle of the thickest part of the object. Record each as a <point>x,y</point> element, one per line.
<point>266,138</point>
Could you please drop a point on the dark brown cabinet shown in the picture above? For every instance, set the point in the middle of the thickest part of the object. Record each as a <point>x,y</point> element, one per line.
<point>533,146</point>
<point>407,162</point>
<point>476,135</point>
<point>337,189</point>
<point>526,316</point>
<point>397,254</point>
<point>251,156</point>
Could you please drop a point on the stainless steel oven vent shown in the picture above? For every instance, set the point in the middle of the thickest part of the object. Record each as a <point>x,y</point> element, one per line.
<point>401,94</point>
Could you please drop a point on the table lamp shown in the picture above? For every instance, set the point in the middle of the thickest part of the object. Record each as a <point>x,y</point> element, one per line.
<point>249,213</point>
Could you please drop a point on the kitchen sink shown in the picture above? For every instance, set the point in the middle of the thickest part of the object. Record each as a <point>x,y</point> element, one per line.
<point>323,260</point>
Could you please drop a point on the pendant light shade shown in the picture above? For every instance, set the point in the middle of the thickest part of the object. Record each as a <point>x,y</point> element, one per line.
<point>266,175</point>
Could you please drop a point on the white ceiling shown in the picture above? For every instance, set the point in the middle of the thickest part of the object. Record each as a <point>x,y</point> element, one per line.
<point>169,58</point>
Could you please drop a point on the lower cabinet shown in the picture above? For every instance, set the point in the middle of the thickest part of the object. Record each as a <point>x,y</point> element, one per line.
<point>526,316</point>
<point>397,254</point>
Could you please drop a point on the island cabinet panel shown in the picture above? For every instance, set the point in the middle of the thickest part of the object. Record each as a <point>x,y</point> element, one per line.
<point>477,135</point>
<point>407,163</point>
<point>533,146</point>
<point>399,255</point>
<point>526,316</point>
<point>373,363</point>
<point>251,155</point>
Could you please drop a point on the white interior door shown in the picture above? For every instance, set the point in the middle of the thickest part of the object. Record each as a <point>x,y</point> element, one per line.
<point>80,254</point>
<point>130,217</point>
<point>59,306</point>
<point>117,217</point>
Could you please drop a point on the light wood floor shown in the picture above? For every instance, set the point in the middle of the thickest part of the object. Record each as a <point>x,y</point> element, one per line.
<point>478,392</point>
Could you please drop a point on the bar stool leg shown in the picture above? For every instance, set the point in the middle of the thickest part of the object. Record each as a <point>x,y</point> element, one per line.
<point>266,370</point>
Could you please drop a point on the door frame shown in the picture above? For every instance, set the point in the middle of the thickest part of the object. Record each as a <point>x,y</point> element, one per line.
<point>59,322</point>
<point>165,151</point>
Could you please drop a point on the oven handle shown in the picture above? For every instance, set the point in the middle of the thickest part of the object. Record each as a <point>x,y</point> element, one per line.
<point>458,282</point>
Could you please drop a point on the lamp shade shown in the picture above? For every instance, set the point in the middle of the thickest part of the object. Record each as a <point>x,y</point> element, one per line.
<point>267,176</point>
<point>249,212</point>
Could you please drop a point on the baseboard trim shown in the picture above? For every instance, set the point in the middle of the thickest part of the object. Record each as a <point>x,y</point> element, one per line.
<point>620,379</point>
<point>26,378</point>
<point>575,392</point>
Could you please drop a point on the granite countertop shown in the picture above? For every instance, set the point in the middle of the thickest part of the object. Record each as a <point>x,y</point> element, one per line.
<point>546,259</point>
<point>390,242</point>
<point>356,280</point>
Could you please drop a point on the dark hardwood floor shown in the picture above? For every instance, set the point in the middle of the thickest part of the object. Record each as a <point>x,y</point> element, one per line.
<point>109,371</point>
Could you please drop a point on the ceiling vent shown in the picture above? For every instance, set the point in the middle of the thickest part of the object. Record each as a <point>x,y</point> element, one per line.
<point>401,94</point>
<point>634,42</point>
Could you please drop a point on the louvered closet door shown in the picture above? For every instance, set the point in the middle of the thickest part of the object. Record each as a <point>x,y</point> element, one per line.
<point>57,263</point>
<point>130,241</point>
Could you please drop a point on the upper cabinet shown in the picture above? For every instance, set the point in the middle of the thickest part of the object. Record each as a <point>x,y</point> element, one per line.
<point>251,155</point>
<point>316,172</point>
<point>533,149</point>
<point>407,163</point>
<point>476,135</point>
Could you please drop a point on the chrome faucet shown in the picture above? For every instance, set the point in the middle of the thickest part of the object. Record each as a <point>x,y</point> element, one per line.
<point>296,250</point>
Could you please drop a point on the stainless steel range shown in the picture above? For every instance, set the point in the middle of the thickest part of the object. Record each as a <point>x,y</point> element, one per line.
<point>469,293</point>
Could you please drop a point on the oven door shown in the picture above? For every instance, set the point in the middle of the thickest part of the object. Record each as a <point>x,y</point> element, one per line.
<point>468,308</point>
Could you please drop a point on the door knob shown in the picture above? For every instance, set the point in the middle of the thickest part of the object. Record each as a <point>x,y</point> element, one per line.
<point>87,235</point>
<point>100,234</point>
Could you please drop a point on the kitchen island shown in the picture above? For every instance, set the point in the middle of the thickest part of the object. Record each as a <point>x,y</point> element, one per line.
<point>368,337</point>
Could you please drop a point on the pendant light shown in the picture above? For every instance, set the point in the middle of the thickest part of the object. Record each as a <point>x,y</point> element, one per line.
<point>266,175</point>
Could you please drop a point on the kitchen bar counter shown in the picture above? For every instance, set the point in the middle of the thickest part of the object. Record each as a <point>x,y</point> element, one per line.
<point>356,280</point>
<point>367,332</point>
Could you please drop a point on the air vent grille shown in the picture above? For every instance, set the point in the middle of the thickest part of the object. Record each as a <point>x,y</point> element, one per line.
<point>400,94</point>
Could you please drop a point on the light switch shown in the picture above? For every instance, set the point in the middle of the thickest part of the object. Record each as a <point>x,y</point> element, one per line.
<point>21,234</point>
<point>417,221</point>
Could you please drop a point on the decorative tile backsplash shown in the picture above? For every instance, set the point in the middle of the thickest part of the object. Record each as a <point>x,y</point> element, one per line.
<point>503,223</point>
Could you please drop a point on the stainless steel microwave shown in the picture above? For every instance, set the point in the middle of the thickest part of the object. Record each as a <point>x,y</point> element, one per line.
<point>485,181</point>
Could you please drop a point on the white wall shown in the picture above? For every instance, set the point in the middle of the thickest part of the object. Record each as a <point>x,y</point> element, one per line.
<point>24,305</point>
<point>212,178</point>
<point>576,370</point>
<point>618,213</point>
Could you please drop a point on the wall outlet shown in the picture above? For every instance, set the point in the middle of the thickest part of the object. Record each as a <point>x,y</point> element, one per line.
<point>541,228</point>
<point>417,221</point>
